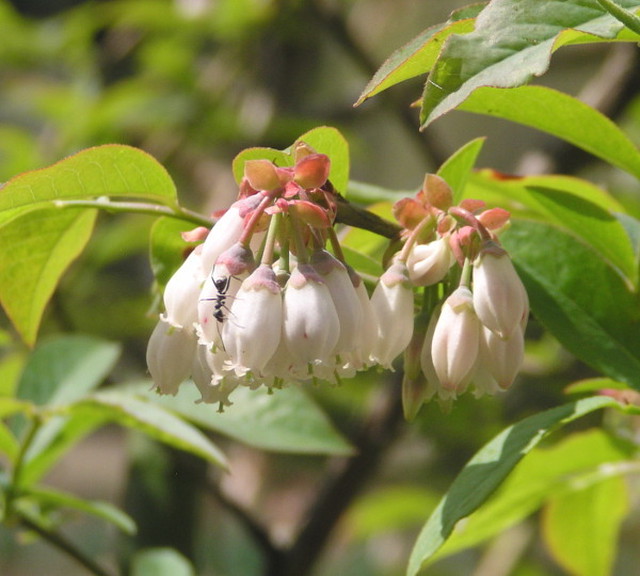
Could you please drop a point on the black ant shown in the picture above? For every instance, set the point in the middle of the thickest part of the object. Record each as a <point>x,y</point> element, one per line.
<point>222,286</point>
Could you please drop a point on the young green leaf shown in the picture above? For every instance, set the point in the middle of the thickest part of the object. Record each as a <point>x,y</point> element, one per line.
<point>109,170</point>
<point>419,55</point>
<point>287,420</point>
<point>561,115</point>
<point>278,157</point>
<point>42,245</point>
<point>457,168</point>
<point>487,470</point>
<point>513,41</point>
<point>581,460</point>
<point>579,298</point>
<point>581,527</point>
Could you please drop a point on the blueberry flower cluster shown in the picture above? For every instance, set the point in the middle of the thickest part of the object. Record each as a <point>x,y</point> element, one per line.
<point>267,299</point>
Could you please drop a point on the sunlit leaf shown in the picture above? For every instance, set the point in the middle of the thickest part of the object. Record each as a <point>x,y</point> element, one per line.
<point>420,54</point>
<point>561,115</point>
<point>109,170</point>
<point>581,527</point>
<point>488,469</point>
<point>457,168</point>
<point>42,246</point>
<point>544,474</point>
<point>513,41</point>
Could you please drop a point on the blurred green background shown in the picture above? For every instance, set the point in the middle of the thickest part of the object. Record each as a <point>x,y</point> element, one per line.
<point>193,82</point>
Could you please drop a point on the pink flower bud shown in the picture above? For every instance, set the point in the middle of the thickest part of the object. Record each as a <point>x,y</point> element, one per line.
<point>170,353</point>
<point>392,303</point>
<point>251,333</point>
<point>261,174</point>
<point>312,171</point>
<point>182,290</point>
<point>499,297</point>
<point>456,341</point>
<point>311,327</point>
<point>429,263</point>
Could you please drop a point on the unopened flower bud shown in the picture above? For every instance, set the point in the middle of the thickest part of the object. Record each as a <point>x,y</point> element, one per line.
<point>170,353</point>
<point>261,174</point>
<point>456,341</point>
<point>251,333</point>
<point>392,303</point>
<point>181,292</point>
<point>499,297</point>
<point>312,171</point>
<point>311,327</point>
<point>429,263</point>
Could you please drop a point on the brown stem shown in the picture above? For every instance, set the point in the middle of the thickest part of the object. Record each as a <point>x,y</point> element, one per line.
<point>378,433</point>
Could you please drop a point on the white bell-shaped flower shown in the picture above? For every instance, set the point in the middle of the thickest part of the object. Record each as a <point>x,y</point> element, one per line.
<point>311,327</point>
<point>499,297</point>
<point>336,277</point>
<point>392,303</point>
<point>226,231</point>
<point>501,358</point>
<point>170,354</point>
<point>456,341</point>
<point>182,290</point>
<point>367,337</point>
<point>251,334</point>
<point>429,263</point>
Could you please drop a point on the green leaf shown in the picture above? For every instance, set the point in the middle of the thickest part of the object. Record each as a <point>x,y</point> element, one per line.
<point>65,368</point>
<point>389,509</point>
<point>329,141</point>
<point>420,54</point>
<point>151,419</point>
<point>579,298</point>
<point>581,528</point>
<point>286,420</point>
<point>545,473</point>
<point>9,445</point>
<point>160,562</point>
<point>103,510</point>
<point>513,41</point>
<point>110,170</point>
<point>457,168</point>
<point>569,204</point>
<point>561,115</point>
<point>43,245</point>
<point>488,468</point>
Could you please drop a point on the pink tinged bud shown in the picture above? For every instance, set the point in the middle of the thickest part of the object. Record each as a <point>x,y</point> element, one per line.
<point>182,290</point>
<point>502,359</point>
<point>499,297</point>
<point>312,171</point>
<point>456,341</point>
<point>261,174</point>
<point>170,355</point>
<point>251,334</point>
<point>437,192</point>
<point>227,231</point>
<point>311,327</point>
<point>392,303</point>
<point>429,263</point>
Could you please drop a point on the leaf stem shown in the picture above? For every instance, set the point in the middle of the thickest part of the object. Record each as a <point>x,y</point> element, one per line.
<point>14,488</point>
<point>629,19</point>
<point>139,208</point>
